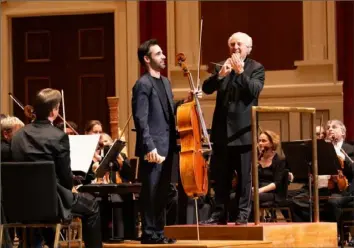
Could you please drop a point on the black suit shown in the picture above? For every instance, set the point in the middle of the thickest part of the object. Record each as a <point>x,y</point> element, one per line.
<point>338,199</point>
<point>5,151</point>
<point>41,141</point>
<point>231,133</point>
<point>153,112</point>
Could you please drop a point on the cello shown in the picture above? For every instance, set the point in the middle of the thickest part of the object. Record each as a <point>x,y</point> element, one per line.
<point>194,156</point>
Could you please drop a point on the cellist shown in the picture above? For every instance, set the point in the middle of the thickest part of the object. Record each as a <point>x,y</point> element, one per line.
<point>154,118</point>
<point>336,133</point>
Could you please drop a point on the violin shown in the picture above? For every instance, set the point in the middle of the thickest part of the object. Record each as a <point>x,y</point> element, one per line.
<point>30,113</point>
<point>340,181</point>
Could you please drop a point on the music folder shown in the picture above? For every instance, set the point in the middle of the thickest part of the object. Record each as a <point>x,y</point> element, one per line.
<point>110,156</point>
<point>299,158</point>
<point>82,150</point>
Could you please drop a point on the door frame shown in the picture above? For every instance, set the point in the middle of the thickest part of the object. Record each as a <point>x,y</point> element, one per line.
<point>126,18</point>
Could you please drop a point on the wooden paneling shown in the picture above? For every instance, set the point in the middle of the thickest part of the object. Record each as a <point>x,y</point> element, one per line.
<point>78,47</point>
<point>275,26</point>
<point>92,88</point>
<point>33,85</point>
<point>37,46</point>
<point>91,43</point>
<point>276,122</point>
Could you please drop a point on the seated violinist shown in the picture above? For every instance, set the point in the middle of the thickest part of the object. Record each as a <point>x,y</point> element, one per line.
<point>339,185</point>
<point>121,166</point>
<point>320,132</point>
<point>71,129</point>
<point>271,168</point>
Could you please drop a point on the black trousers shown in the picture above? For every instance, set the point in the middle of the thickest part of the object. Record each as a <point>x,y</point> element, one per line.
<point>155,179</point>
<point>88,208</point>
<point>336,202</point>
<point>226,161</point>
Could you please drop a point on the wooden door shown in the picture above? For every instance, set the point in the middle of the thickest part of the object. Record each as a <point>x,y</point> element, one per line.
<point>74,53</point>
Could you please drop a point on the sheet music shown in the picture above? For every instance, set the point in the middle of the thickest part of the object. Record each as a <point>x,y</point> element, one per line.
<point>82,149</point>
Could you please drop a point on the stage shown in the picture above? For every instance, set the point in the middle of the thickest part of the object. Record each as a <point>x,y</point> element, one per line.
<point>283,234</point>
<point>192,244</point>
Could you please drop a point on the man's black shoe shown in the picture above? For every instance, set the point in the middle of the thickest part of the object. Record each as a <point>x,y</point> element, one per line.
<point>154,241</point>
<point>240,222</point>
<point>170,241</point>
<point>213,221</point>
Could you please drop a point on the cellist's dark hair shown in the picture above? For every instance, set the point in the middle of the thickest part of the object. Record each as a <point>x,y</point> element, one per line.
<point>144,50</point>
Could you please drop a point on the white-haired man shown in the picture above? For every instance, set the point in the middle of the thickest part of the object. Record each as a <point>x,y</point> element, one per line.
<point>9,125</point>
<point>336,133</point>
<point>238,83</point>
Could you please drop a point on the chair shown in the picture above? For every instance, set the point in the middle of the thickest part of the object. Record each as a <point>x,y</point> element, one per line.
<point>346,219</point>
<point>281,204</point>
<point>30,199</point>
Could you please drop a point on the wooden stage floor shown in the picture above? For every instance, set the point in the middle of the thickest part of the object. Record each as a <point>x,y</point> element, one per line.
<point>322,234</point>
<point>192,244</point>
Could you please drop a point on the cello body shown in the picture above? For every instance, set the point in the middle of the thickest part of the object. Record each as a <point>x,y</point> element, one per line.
<point>192,131</point>
<point>193,167</point>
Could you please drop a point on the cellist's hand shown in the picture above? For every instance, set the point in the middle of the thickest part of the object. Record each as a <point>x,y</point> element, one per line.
<point>191,94</point>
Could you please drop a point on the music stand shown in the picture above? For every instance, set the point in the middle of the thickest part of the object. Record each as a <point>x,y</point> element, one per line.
<point>111,155</point>
<point>299,158</point>
<point>328,163</point>
<point>106,166</point>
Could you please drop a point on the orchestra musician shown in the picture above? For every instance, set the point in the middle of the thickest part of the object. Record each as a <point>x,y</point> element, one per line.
<point>93,127</point>
<point>154,118</point>
<point>68,130</point>
<point>41,141</point>
<point>271,169</point>
<point>238,83</point>
<point>9,126</point>
<point>336,133</point>
<point>320,132</point>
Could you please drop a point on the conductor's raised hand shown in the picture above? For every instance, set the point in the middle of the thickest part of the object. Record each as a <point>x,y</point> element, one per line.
<point>236,63</point>
<point>226,68</point>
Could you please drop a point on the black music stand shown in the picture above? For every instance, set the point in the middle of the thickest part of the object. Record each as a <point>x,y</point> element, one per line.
<point>111,155</point>
<point>299,158</point>
<point>106,165</point>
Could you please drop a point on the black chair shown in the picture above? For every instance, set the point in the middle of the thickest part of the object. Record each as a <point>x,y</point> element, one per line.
<point>346,219</point>
<point>282,204</point>
<point>30,199</point>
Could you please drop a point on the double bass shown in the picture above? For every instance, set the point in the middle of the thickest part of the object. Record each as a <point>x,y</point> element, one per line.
<point>194,140</point>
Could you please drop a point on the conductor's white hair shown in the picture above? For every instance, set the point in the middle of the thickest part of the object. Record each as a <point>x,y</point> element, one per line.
<point>243,37</point>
